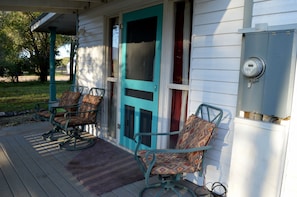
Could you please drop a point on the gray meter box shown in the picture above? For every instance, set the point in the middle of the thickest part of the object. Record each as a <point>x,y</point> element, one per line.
<point>267,73</point>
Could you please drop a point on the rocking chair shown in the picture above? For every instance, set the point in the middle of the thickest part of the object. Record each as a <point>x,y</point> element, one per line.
<point>66,103</point>
<point>69,98</point>
<point>73,122</point>
<point>170,164</point>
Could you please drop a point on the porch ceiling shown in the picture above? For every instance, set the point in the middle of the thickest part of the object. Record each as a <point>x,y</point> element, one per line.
<point>57,6</point>
<point>64,23</point>
<point>60,14</point>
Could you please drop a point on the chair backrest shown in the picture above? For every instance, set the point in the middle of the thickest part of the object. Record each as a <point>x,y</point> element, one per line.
<point>198,131</point>
<point>69,98</point>
<point>90,104</point>
<point>210,113</point>
<point>77,88</point>
<point>72,96</point>
<point>97,92</point>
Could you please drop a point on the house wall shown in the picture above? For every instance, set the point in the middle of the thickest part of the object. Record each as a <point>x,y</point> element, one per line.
<point>91,69</point>
<point>265,166</point>
<point>90,57</point>
<point>214,70</point>
<point>92,49</point>
<point>275,13</point>
<point>214,75</point>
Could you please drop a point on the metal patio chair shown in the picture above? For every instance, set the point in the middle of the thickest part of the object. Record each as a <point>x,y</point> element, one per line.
<point>73,122</point>
<point>170,164</point>
<point>68,98</point>
<point>66,103</point>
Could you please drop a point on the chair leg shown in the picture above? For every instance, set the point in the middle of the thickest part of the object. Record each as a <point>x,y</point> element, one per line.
<point>75,141</point>
<point>168,182</point>
<point>49,136</point>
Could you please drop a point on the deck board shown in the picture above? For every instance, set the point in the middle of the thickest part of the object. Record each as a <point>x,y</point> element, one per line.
<point>31,166</point>
<point>43,172</point>
<point>15,183</point>
<point>24,173</point>
<point>58,176</point>
<point>4,187</point>
<point>36,167</point>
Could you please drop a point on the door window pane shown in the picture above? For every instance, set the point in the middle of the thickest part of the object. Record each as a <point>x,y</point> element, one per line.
<point>140,55</point>
<point>146,125</point>
<point>112,109</point>
<point>182,41</point>
<point>129,121</point>
<point>113,70</point>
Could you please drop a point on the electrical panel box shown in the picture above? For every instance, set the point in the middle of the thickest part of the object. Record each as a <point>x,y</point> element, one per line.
<point>267,73</point>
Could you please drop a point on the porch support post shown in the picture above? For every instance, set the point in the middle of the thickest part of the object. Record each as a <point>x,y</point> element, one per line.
<point>52,64</point>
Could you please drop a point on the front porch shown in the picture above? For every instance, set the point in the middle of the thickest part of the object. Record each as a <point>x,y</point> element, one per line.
<point>30,166</point>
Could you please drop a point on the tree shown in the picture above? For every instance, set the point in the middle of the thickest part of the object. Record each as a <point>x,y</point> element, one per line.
<point>8,50</point>
<point>24,50</point>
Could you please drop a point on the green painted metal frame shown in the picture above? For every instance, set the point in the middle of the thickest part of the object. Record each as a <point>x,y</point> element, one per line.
<point>47,106</point>
<point>74,133</point>
<point>169,182</point>
<point>141,85</point>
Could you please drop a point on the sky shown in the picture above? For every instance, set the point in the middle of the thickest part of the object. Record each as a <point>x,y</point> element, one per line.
<point>64,51</point>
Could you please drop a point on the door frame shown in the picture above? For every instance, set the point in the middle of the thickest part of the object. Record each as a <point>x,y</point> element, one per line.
<point>137,15</point>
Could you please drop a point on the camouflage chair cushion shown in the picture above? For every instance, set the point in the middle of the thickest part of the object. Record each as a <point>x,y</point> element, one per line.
<point>73,121</point>
<point>196,133</point>
<point>44,114</point>
<point>47,114</point>
<point>200,136</point>
<point>69,98</point>
<point>89,103</point>
<point>168,163</point>
<point>86,113</point>
<point>184,136</point>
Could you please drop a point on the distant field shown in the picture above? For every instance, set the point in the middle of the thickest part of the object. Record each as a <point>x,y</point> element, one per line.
<point>24,95</point>
<point>59,77</point>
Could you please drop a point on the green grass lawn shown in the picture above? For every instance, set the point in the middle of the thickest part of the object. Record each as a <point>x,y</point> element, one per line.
<point>24,95</point>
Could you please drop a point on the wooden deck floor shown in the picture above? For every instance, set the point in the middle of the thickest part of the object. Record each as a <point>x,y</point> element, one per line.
<point>30,166</point>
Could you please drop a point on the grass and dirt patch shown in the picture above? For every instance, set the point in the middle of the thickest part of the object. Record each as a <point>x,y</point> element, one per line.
<point>19,99</point>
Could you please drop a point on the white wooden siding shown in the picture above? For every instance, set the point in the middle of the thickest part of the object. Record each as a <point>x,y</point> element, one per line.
<point>280,12</point>
<point>275,12</point>
<point>218,40</point>
<point>215,63</point>
<point>216,52</point>
<point>91,67</point>
<point>214,75</point>
<point>90,59</point>
<point>217,28</point>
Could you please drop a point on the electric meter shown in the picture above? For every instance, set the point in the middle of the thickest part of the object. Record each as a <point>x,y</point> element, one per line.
<point>253,67</point>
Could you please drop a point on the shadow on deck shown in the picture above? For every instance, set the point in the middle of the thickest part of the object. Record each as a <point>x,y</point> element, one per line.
<point>30,166</point>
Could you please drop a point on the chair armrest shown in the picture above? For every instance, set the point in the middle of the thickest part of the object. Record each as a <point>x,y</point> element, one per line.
<point>63,108</point>
<point>140,135</point>
<point>60,109</point>
<point>38,106</point>
<point>82,112</point>
<point>170,151</point>
<point>150,155</point>
<point>68,115</point>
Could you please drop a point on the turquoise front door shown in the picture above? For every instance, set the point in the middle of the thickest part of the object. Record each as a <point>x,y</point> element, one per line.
<point>141,49</point>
